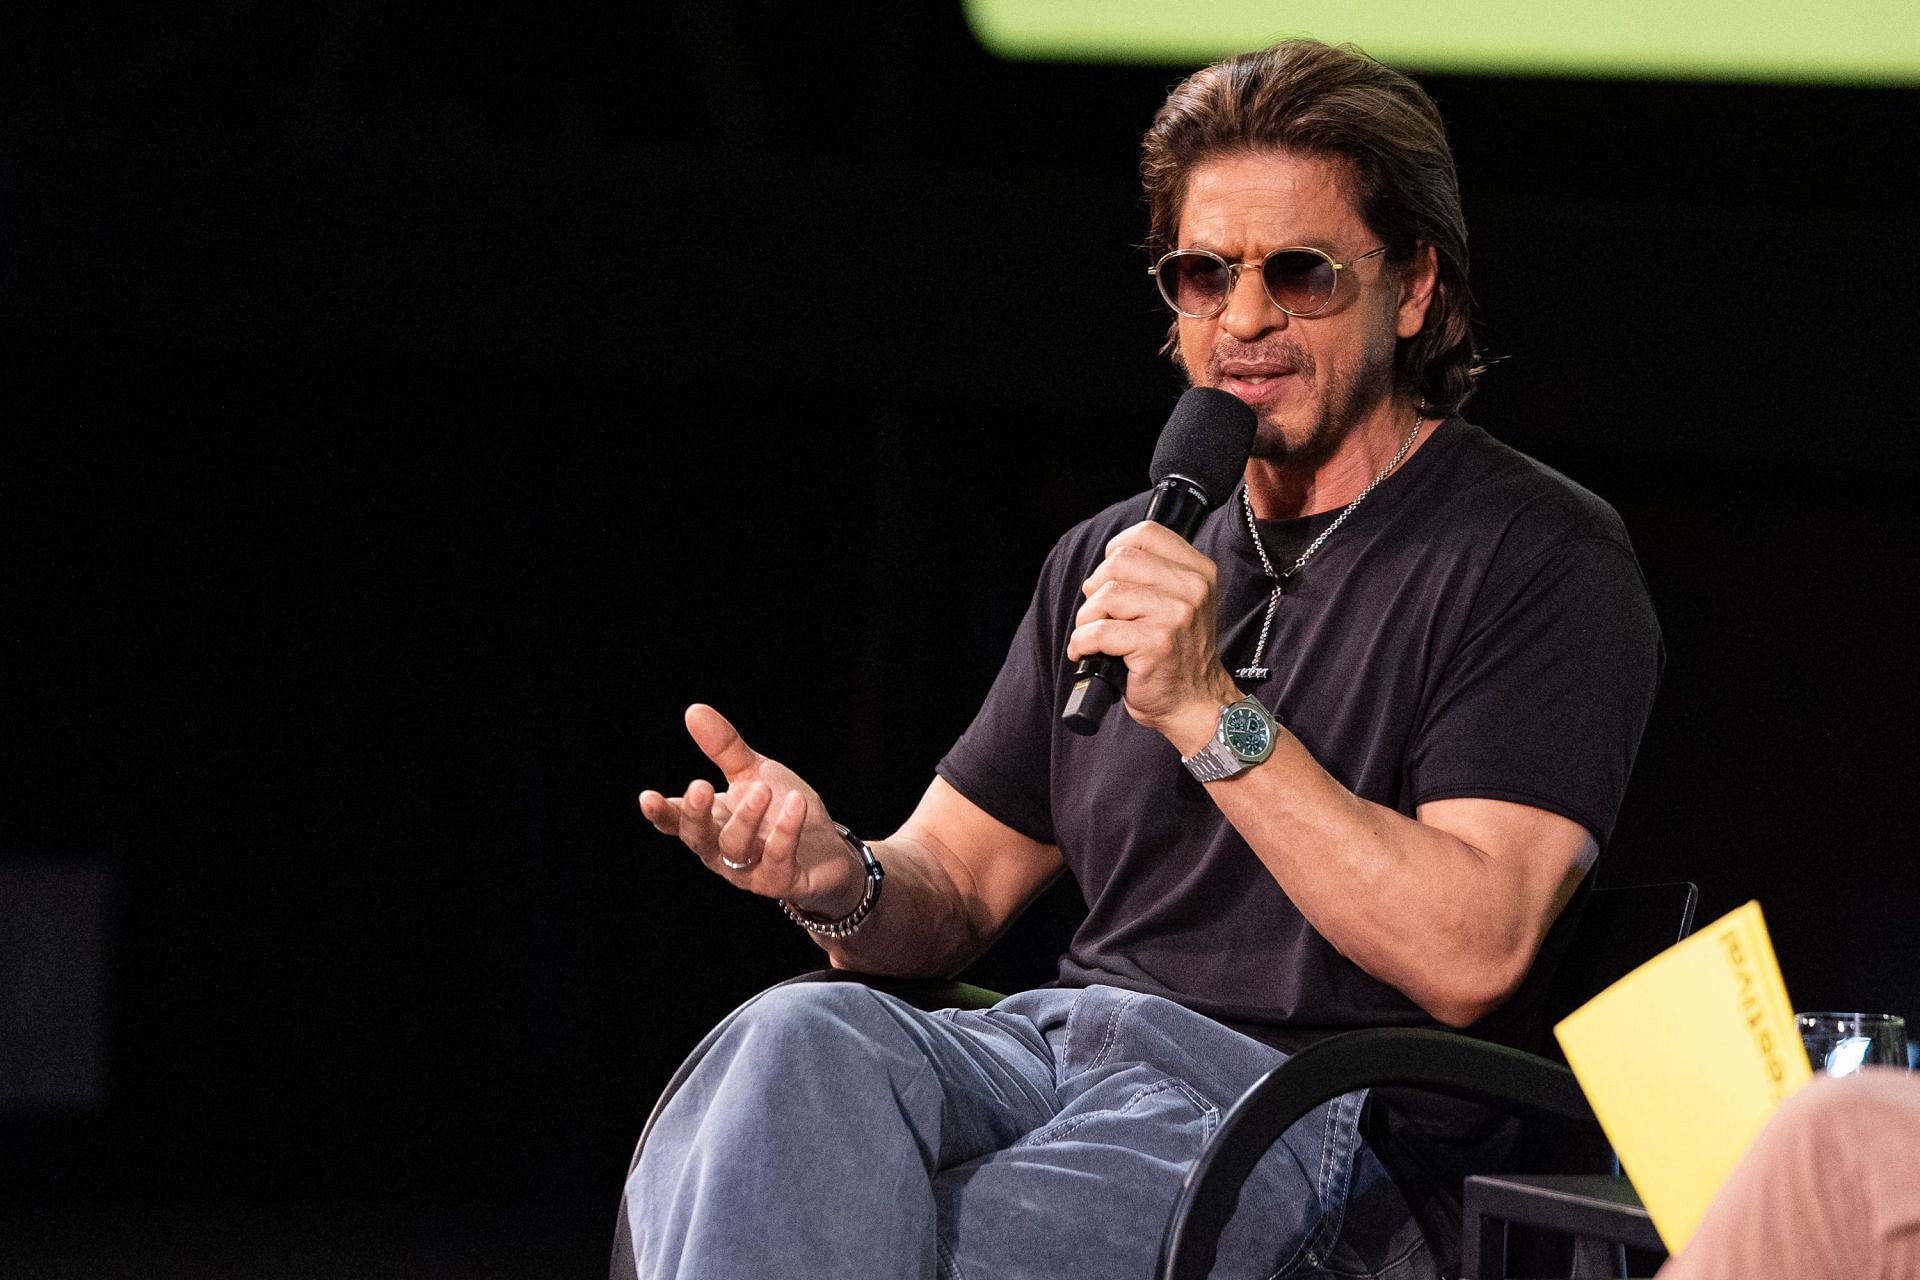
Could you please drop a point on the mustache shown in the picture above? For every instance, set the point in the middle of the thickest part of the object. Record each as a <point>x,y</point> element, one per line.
<point>1282,351</point>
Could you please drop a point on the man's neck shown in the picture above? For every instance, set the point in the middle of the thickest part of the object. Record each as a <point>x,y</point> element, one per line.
<point>1283,489</point>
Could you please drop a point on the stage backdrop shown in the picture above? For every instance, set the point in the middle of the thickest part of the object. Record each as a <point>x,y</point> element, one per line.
<point>410,411</point>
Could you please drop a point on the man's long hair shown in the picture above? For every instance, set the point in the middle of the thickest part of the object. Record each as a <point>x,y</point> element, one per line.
<point>1314,99</point>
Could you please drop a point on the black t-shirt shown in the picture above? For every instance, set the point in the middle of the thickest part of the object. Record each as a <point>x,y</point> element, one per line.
<point>1478,627</point>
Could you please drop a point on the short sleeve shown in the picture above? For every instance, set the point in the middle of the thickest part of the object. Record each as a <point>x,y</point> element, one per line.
<point>1544,701</point>
<point>1003,761</point>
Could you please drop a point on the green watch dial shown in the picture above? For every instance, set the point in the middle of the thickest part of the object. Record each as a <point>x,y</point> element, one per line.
<point>1246,732</point>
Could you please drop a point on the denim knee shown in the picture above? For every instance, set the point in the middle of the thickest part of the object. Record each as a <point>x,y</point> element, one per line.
<point>824,1018</point>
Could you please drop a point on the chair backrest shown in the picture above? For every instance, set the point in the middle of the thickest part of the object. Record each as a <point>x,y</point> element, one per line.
<point>1621,928</point>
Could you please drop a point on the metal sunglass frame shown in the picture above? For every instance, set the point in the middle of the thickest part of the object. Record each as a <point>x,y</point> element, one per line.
<point>1235,268</point>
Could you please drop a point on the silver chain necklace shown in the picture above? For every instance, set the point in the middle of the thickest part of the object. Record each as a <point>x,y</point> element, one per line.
<point>1279,580</point>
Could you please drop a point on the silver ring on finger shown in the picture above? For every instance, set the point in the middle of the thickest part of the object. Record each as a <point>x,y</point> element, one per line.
<point>731,865</point>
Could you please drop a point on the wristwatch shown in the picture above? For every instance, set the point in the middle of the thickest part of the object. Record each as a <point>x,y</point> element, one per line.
<point>1243,738</point>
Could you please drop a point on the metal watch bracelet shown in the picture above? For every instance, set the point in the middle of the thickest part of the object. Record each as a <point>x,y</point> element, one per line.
<point>846,925</point>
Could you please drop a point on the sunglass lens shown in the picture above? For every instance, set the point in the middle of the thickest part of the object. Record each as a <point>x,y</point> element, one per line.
<point>1299,281</point>
<point>1195,283</point>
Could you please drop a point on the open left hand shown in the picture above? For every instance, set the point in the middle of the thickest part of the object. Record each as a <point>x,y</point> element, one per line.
<point>767,832</point>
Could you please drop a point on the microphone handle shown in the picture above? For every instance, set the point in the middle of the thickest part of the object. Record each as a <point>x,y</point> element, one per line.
<point>1101,678</point>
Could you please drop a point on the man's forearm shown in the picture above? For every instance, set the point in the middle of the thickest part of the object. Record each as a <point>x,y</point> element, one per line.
<point>920,926</point>
<point>1450,917</point>
<point>954,878</point>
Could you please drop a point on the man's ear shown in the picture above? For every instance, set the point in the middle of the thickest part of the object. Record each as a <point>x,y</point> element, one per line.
<point>1417,283</point>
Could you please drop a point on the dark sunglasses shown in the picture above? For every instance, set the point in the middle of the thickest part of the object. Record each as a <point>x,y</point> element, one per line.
<point>1300,281</point>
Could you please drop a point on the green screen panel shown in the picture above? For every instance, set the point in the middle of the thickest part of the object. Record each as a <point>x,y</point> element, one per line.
<point>1827,41</point>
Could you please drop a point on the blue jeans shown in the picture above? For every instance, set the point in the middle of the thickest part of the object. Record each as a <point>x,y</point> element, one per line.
<point>834,1131</point>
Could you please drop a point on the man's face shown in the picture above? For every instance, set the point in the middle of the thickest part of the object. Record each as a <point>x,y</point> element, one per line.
<point>1308,380</point>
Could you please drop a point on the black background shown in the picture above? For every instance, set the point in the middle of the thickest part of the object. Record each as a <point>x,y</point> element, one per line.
<point>409,409</point>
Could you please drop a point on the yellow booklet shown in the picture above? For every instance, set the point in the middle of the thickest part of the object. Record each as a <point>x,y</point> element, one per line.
<point>1684,1059</point>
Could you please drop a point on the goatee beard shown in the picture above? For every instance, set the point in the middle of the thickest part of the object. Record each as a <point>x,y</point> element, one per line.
<point>1272,444</point>
<point>1347,401</point>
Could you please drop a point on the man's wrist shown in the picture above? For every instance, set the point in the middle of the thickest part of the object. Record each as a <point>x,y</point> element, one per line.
<point>846,894</point>
<point>1198,721</point>
<point>847,923</point>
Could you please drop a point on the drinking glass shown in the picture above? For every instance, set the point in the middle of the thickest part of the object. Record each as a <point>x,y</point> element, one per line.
<point>1839,1044</point>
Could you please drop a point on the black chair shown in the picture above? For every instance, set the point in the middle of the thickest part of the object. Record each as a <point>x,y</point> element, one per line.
<point>1618,930</point>
<point>1615,931</point>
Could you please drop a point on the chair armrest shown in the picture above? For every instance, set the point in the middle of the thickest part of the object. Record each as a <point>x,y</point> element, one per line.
<point>1442,1062</point>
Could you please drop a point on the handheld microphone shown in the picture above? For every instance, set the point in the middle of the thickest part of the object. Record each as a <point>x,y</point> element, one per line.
<point>1202,451</point>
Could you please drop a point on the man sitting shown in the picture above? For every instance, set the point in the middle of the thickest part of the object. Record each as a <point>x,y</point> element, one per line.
<point>1379,717</point>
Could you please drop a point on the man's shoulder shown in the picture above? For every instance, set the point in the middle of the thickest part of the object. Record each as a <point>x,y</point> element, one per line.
<point>1495,489</point>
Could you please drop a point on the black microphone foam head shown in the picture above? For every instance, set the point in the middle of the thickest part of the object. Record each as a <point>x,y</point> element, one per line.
<point>1207,440</point>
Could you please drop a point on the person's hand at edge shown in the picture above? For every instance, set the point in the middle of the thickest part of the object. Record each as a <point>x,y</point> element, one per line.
<point>767,832</point>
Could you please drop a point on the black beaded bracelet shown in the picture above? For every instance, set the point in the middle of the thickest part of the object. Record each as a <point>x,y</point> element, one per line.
<point>845,926</point>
